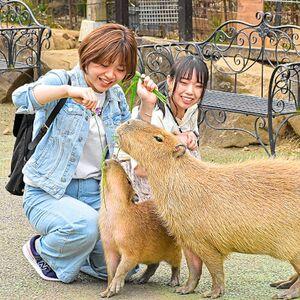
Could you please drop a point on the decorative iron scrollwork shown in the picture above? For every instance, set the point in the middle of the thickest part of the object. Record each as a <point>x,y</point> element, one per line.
<point>232,49</point>
<point>21,36</point>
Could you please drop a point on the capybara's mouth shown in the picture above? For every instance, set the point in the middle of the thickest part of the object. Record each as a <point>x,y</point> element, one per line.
<point>121,135</point>
<point>126,131</point>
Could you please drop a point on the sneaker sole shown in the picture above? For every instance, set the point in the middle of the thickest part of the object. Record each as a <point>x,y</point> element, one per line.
<point>32,261</point>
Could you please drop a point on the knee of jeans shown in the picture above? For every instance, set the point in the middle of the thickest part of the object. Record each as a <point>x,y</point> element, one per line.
<point>87,229</point>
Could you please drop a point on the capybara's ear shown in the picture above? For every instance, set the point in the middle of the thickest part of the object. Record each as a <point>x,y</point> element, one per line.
<point>179,150</point>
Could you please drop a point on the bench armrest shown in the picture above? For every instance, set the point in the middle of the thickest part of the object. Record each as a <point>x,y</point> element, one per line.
<point>21,37</point>
<point>284,87</point>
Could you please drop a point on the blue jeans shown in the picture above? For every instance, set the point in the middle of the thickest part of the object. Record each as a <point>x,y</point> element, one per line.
<point>69,228</point>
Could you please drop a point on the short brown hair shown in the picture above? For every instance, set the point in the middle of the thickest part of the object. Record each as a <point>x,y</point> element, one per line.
<point>108,43</point>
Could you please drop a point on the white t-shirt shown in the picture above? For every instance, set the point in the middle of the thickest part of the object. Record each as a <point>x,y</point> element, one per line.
<point>89,165</point>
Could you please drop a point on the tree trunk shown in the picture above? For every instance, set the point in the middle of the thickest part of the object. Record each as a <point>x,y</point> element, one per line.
<point>225,10</point>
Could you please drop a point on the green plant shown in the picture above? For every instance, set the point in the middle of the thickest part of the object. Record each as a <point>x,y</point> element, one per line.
<point>133,91</point>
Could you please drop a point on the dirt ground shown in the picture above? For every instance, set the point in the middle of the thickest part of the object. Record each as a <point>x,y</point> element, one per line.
<point>247,276</point>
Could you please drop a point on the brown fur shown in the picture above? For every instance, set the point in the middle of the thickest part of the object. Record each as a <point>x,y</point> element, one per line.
<point>132,233</point>
<point>213,210</point>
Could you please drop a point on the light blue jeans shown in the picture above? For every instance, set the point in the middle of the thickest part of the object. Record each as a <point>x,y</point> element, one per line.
<point>69,228</point>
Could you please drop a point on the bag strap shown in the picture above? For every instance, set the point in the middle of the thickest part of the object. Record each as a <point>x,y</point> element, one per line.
<point>48,122</point>
<point>174,118</point>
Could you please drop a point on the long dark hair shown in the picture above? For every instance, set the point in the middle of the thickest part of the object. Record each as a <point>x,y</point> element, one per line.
<point>183,68</point>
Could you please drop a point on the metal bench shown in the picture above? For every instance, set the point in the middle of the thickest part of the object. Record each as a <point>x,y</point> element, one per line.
<point>232,49</point>
<point>21,39</point>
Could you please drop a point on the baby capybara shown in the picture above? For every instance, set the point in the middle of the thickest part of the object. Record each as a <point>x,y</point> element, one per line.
<point>214,210</point>
<point>131,233</point>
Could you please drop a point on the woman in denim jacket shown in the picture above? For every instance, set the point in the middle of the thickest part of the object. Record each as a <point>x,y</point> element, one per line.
<point>61,196</point>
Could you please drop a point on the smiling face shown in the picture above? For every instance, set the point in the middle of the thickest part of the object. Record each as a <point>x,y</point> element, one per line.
<point>187,93</point>
<point>187,82</point>
<point>102,76</point>
<point>108,55</point>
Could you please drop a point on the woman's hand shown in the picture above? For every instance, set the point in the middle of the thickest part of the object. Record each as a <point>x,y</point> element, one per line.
<point>189,139</point>
<point>83,96</point>
<point>144,91</point>
<point>148,99</point>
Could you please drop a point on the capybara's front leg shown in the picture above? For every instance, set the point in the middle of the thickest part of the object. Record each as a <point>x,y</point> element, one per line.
<point>147,274</point>
<point>285,284</point>
<point>126,264</point>
<point>175,261</point>
<point>294,291</point>
<point>195,270</point>
<point>175,277</point>
<point>112,260</point>
<point>214,263</point>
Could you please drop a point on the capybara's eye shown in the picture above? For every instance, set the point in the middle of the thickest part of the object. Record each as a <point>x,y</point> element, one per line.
<point>158,138</point>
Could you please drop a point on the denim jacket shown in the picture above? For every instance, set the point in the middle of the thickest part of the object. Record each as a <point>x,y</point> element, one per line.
<point>55,159</point>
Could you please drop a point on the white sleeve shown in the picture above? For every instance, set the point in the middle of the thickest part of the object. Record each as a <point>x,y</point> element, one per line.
<point>135,112</point>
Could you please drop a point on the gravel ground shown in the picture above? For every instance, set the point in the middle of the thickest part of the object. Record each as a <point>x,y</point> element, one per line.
<point>247,276</point>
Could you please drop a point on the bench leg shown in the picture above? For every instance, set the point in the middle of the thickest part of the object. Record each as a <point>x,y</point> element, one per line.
<point>272,140</point>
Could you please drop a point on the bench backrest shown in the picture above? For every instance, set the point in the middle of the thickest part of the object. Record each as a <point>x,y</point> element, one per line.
<point>21,37</point>
<point>232,50</point>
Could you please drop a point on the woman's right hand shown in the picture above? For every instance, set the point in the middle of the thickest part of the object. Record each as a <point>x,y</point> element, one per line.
<point>144,91</point>
<point>188,138</point>
<point>83,95</point>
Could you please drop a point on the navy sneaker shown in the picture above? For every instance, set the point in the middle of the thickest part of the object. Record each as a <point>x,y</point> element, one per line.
<point>41,267</point>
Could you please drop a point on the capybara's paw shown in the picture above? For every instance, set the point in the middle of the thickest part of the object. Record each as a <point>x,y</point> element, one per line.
<point>106,294</point>
<point>116,285</point>
<point>113,288</point>
<point>174,281</point>
<point>214,293</point>
<point>285,284</point>
<point>185,289</point>
<point>286,295</point>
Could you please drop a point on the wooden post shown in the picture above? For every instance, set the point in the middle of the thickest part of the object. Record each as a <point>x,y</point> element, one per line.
<point>71,14</point>
<point>225,10</point>
<point>278,12</point>
<point>185,20</point>
<point>96,10</point>
<point>95,17</point>
<point>122,16</point>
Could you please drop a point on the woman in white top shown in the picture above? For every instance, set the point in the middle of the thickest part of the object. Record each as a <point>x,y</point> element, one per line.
<point>186,85</point>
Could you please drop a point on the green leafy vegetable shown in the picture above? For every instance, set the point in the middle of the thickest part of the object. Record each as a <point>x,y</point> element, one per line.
<point>133,91</point>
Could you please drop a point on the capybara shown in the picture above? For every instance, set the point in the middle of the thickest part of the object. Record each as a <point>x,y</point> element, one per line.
<point>213,210</point>
<point>132,233</point>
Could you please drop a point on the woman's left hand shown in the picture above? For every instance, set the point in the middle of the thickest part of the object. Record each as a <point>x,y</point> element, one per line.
<point>189,138</point>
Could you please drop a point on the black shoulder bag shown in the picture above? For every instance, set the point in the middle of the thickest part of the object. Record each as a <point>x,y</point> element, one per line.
<point>24,147</point>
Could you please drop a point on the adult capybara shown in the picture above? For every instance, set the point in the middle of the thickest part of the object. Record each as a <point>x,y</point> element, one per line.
<point>132,233</point>
<point>213,210</point>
